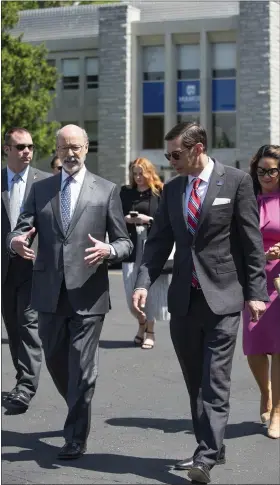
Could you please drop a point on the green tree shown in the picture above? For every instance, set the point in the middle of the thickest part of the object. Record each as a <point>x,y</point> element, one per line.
<point>30,4</point>
<point>28,84</point>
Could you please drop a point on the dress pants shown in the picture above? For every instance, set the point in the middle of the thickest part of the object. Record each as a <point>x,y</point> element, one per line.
<point>70,343</point>
<point>204,343</point>
<point>21,322</point>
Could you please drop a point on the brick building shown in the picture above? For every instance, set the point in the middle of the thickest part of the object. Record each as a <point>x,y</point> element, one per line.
<point>131,70</point>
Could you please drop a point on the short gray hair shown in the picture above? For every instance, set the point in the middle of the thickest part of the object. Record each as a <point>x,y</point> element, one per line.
<point>83,131</point>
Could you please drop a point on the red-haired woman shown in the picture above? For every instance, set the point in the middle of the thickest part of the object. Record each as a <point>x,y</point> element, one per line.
<point>140,202</point>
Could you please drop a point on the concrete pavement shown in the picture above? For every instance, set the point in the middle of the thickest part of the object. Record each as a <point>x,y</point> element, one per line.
<point>140,419</point>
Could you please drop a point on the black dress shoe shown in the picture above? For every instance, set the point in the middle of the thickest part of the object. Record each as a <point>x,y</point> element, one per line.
<point>11,394</point>
<point>72,450</point>
<point>199,473</point>
<point>187,464</point>
<point>19,401</point>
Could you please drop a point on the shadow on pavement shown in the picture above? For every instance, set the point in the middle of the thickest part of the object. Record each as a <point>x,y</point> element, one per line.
<point>44,455</point>
<point>234,430</point>
<point>165,425</point>
<point>116,344</point>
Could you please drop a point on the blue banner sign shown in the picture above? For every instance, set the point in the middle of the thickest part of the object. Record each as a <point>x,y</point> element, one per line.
<point>223,95</point>
<point>153,97</point>
<point>188,96</point>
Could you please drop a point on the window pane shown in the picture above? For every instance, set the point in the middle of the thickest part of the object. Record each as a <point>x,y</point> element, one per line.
<point>92,66</point>
<point>224,130</point>
<point>91,128</point>
<point>51,62</point>
<point>188,118</point>
<point>188,61</point>
<point>70,67</point>
<point>224,59</point>
<point>153,63</point>
<point>153,132</point>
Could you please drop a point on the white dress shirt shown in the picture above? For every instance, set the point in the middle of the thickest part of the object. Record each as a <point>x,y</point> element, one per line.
<point>75,186</point>
<point>21,183</point>
<point>204,176</point>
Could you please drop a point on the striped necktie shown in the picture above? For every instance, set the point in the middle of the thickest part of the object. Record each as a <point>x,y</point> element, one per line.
<point>194,208</point>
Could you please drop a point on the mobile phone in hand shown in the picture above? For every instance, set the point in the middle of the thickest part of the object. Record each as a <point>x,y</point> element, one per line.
<point>133,213</point>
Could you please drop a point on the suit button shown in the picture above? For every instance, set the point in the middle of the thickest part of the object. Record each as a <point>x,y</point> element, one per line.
<point>65,243</point>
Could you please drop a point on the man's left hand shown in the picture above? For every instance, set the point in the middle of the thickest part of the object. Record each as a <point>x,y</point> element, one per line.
<point>257,309</point>
<point>97,253</point>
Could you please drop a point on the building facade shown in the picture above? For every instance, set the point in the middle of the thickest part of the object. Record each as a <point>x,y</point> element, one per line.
<point>130,71</point>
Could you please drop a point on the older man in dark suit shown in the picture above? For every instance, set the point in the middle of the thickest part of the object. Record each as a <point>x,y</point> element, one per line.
<point>20,319</point>
<point>210,212</point>
<point>72,212</point>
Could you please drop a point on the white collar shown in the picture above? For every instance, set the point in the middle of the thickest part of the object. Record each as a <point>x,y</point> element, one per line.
<point>206,172</point>
<point>77,177</point>
<point>23,174</point>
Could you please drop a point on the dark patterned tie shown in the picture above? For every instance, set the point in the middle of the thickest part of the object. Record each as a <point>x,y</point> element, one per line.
<point>66,204</point>
<point>194,208</point>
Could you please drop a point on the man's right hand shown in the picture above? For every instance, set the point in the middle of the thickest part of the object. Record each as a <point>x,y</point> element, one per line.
<point>19,245</point>
<point>139,301</point>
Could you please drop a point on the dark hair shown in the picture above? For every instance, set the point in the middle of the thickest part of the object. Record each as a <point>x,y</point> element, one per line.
<point>11,131</point>
<point>54,160</point>
<point>269,151</point>
<point>191,133</point>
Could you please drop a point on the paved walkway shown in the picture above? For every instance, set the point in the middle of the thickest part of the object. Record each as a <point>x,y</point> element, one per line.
<point>140,419</point>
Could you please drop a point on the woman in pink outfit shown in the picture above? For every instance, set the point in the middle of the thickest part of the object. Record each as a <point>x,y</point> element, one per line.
<point>262,338</point>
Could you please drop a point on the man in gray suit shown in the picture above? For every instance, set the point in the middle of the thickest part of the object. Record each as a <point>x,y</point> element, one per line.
<point>20,319</point>
<point>72,212</point>
<point>210,212</point>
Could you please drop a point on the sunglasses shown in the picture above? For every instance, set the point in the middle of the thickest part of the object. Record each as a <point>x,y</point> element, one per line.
<point>271,172</point>
<point>21,146</point>
<point>175,155</point>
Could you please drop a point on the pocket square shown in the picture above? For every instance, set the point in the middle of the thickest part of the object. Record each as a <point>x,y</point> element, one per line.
<point>221,201</point>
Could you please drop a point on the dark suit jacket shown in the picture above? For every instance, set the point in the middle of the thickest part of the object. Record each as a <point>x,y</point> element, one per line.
<point>128,196</point>
<point>61,256</point>
<point>227,248</point>
<point>24,267</point>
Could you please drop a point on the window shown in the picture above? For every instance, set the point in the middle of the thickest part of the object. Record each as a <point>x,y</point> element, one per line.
<point>91,128</point>
<point>224,130</point>
<point>153,63</point>
<point>92,72</point>
<point>224,60</point>
<point>51,63</point>
<point>193,118</point>
<point>153,97</point>
<point>188,61</point>
<point>224,95</point>
<point>153,132</point>
<point>188,82</point>
<point>70,69</point>
<point>64,123</point>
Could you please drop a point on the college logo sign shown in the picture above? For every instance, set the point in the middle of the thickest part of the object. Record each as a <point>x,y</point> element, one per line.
<point>188,96</point>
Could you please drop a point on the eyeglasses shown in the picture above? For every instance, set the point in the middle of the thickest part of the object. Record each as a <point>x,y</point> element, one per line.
<point>21,146</point>
<point>176,154</point>
<point>73,148</point>
<point>271,172</point>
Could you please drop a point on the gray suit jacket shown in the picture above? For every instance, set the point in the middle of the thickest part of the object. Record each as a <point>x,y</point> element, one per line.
<point>22,266</point>
<point>227,248</point>
<point>61,256</point>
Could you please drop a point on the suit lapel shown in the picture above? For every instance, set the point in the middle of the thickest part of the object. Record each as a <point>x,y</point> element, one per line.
<point>185,182</point>
<point>55,201</point>
<point>5,192</point>
<point>31,177</point>
<point>84,196</point>
<point>214,187</point>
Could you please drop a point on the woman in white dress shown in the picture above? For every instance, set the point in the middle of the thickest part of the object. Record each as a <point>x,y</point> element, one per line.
<point>140,202</point>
